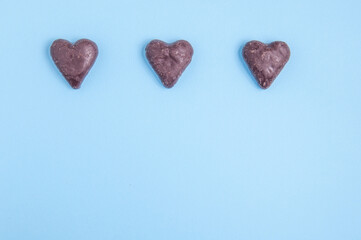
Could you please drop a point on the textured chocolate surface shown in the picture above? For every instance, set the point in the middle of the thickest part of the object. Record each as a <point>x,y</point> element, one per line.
<point>169,60</point>
<point>266,61</point>
<point>74,60</point>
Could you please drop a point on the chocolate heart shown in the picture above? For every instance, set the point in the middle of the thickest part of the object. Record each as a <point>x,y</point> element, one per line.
<point>74,61</point>
<point>169,60</point>
<point>266,61</point>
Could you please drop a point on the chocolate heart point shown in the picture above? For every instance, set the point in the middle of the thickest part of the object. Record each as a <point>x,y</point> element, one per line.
<point>74,60</point>
<point>169,60</point>
<point>266,61</point>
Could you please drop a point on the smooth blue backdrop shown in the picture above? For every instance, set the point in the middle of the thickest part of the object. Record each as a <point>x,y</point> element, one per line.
<point>215,157</point>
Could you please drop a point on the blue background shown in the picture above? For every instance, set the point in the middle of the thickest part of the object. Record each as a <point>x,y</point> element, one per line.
<point>215,157</point>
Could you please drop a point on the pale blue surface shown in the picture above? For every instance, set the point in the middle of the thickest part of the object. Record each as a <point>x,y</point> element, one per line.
<point>215,157</point>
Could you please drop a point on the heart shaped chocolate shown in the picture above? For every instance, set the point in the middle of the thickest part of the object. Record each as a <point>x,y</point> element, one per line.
<point>169,60</point>
<point>266,61</point>
<point>74,60</point>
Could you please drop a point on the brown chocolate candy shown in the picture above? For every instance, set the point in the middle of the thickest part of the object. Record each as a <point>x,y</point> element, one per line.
<point>74,60</point>
<point>169,60</point>
<point>266,61</point>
